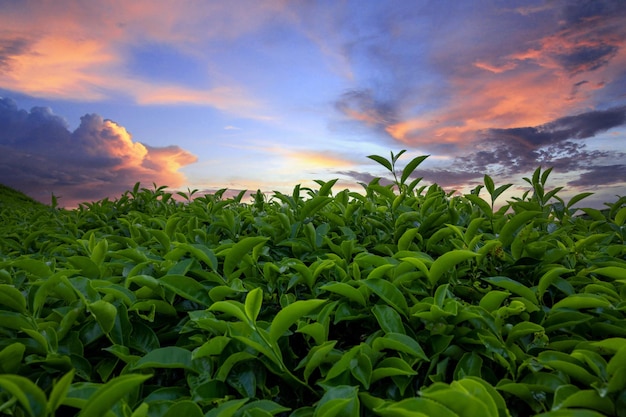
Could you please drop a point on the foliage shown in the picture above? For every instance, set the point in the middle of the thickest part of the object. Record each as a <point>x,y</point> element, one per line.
<point>401,301</point>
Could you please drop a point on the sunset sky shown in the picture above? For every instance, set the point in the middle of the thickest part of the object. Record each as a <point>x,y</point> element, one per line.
<point>253,94</point>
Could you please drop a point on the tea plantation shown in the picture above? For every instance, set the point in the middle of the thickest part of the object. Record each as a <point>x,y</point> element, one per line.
<point>401,300</point>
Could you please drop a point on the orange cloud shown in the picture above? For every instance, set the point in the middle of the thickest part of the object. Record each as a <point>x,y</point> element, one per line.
<point>40,156</point>
<point>318,160</point>
<point>79,51</point>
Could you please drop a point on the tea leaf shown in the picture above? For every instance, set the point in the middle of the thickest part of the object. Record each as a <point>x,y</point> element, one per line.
<point>59,391</point>
<point>254,300</point>
<point>446,262</point>
<point>12,298</point>
<point>236,253</point>
<point>388,292</point>
<point>26,392</point>
<point>166,357</point>
<point>513,286</point>
<point>383,161</point>
<point>187,288</point>
<point>289,315</point>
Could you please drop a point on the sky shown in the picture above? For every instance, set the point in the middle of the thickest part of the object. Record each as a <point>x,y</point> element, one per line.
<point>267,94</point>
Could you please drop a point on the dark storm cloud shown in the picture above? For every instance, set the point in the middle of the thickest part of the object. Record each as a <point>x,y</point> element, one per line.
<point>584,58</point>
<point>581,126</point>
<point>558,144</point>
<point>581,11</point>
<point>591,34</point>
<point>40,155</point>
<point>9,48</point>
<point>361,105</point>
<point>604,175</point>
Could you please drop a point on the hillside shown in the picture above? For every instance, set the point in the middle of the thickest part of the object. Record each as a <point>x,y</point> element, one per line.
<point>12,197</point>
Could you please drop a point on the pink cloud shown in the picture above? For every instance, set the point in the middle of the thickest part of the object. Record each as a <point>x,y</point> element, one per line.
<point>79,51</point>
<point>40,156</point>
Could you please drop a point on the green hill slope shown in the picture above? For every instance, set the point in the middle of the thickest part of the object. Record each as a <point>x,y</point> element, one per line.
<point>11,197</point>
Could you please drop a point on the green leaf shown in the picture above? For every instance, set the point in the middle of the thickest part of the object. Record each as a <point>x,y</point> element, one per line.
<point>616,370</point>
<point>29,395</point>
<point>391,366</point>
<point>141,411</point>
<point>213,346</point>
<point>11,358</point>
<point>345,290</point>
<point>498,191</point>
<point>493,300</point>
<point>11,297</point>
<point>388,319</point>
<point>230,362</point>
<point>316,357</point>
<point>185,408</point>
<point>489,185</point>
<point>254,300</point>
<point>383,161</point>
<point>227,409</point>
<point>513,286</point>
<point>199,252</point>
<point>507,233</point>
<point>59,391</point>
<point>16,321</point>
<point>478,390</point>
<point>268,406</point>
<point>577,198</point>
<point>446,262</point>
<point>99,252</point>
<point>614,272</point>
<point>339,401</point>
<point>457,399</point>
<point>565,363</point>
<point>404,243</point>
<point>187,288</point>
<point>35,267</point>
<point>362,368</point>
<point>289,315</point>
<point>410,167</point>
<point>589,399</point>
<point>236,253</point>
<point>501,405</point>
<point>484,206</point>
<point>314,205</point>
<point>470,364</point>
<point>580,301</point>
<point>105,314</point>
<point>523,329</point>
<point>401,343</point>
<point>388,292</point>
<point>415,407</point>
<point>549,277</point>
<point>166,357</point>
<point>233,308</point>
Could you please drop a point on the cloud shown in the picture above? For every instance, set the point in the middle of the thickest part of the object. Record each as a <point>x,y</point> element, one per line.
<point>10,48</point>
<point>581,126</point>
<point>40,155</point>
<point>84,52</point>
<point>515,151</point>
<point>558,144</point>
<point>362,106</point>
<point>531,66</point>
<point>605,175</point>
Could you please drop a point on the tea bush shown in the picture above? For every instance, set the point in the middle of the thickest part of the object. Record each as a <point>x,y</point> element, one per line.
<point>403,300</point>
